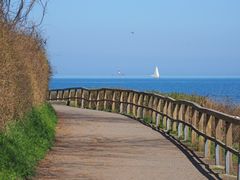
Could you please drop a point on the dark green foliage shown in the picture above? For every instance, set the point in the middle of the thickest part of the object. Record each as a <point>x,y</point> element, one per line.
<point>24,142</point>
<point>147,120</point>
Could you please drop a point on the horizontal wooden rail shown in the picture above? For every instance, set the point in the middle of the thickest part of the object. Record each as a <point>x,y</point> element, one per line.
<point>209,130</point>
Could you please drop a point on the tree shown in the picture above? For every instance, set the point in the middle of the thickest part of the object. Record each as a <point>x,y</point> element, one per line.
<point>17,12</point>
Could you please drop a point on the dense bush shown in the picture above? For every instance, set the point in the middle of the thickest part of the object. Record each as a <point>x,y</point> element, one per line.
<point>24,142</point>
<point>24,72</point>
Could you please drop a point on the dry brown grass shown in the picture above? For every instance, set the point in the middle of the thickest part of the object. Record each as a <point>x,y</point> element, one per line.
<point>24,73</point>
<point>227,107</point>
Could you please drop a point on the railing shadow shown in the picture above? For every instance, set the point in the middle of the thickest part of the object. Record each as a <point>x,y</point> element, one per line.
<point>198,163</point>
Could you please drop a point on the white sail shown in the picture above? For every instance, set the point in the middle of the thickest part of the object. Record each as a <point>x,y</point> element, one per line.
<point>156,73</point>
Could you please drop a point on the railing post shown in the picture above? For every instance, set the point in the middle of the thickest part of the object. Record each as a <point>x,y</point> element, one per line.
<point>114,101</point>
<point>139,109</point>
<point>150,105</point>
<point>190,121</point>
<point>135,100</point>
<point>180,125</point>
<point>218,136</point>
<point>154,114</point>
<point>144,104</point>
<point>128,103</point>
<point>79,97</point>
<point>186,119</point>
<point>202,129</point>
<point>90,99</point>
<point>68,97</point>
<point>105,101</point>
<point>133,108</point>
<point>217,155</point>
<point>165,106</point>
<point>194,124</point>
<point>175,117</point>
<point>121,101</point>
<point>63,95</point>
<point>75,98</point>
<point>208,131</point>
<point>157,121</point>
<point>98,100</point>
<point>228,154</point>
<point>83,99</point>
<point>158,115</point>
<point>57,95</point>
<point>169,113</point>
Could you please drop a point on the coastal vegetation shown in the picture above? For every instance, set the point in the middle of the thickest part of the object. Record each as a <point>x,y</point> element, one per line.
<point>25,141</point>
<point>27,123</point>
<point>24,65</point>
<point>226,106</point>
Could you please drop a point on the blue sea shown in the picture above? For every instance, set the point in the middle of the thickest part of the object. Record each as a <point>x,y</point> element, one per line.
<point>219,89</point>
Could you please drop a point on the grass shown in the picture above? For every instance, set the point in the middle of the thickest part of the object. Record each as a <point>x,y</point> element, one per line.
<point>225,106</point>
<point>147,120</point>
<point>24,142</point>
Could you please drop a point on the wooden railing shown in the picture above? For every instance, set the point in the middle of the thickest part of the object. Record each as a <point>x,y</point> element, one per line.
<point>208,130</point>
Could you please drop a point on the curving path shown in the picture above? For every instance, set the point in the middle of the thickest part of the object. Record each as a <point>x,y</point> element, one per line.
<point>106,146</point>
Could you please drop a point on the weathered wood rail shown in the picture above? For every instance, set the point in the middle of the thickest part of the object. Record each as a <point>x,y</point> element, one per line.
<point>208,130</point>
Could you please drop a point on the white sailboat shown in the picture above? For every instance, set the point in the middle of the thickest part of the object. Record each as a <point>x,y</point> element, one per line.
<point>156,74</point>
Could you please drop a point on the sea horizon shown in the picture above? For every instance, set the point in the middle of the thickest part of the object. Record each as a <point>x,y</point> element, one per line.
<point>145,77</point>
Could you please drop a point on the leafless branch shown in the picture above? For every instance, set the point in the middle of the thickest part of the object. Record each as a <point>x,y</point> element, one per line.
<point>17,12</point>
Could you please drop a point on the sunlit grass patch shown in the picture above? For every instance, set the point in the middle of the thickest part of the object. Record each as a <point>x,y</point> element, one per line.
<point>24,142</point>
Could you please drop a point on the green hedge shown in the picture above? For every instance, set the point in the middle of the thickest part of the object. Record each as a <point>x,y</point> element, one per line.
<point>24,142</point>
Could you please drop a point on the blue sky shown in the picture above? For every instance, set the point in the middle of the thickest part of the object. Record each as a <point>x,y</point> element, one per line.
<point>183,38</point>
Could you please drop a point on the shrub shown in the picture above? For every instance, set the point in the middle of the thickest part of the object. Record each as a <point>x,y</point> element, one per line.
<point>24,73</point>
<point>24,142</point>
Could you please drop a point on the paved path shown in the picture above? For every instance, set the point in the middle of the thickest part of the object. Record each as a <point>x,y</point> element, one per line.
<point>106,146</point>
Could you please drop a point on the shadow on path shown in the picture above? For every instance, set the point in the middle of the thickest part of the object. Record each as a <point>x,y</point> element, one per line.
<point>198,163</point>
